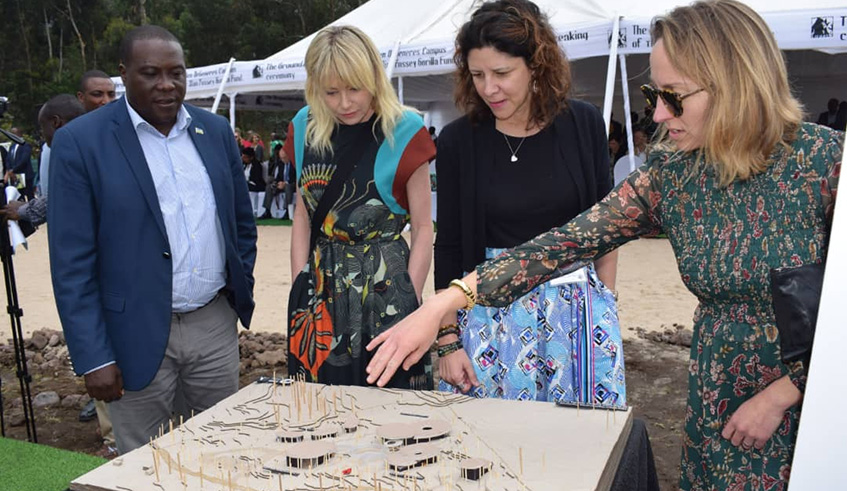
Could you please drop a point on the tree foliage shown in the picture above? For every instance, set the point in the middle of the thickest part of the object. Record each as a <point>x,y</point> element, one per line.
<point>47,44</point>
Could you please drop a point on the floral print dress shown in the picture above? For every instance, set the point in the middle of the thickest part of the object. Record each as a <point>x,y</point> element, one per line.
<point>725,240</point>
<point>360,283</point>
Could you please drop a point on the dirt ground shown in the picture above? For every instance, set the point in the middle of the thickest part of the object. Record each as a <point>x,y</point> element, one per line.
<point>654,307</point>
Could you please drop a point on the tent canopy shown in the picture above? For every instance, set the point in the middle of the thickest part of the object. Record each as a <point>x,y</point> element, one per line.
<point>416,42</point>
<point>422,33</point>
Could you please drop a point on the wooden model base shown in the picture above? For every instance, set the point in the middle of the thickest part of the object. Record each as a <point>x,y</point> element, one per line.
<point>311,436</point>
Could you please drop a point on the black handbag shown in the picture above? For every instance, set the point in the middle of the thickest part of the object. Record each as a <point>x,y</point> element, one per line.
<point>301,300</point>
<point>796,297</point>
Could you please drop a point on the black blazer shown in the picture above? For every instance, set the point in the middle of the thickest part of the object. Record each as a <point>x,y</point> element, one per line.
<point>465,155</point>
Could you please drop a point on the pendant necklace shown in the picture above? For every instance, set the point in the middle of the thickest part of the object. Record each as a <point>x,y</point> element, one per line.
<point>515,151</point>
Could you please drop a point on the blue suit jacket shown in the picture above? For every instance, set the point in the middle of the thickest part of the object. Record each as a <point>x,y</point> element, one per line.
<point>109,251</point>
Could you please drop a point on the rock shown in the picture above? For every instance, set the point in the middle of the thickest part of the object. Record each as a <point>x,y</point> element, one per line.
<point>46,399</point>
<point>7,358</point>
<point>62,353</point>
<point>54,340</point>
<point>17,402</point>
<point>53,364</point>
<point>16,419</point>
<point>71,400</point>
<point>662,381</point>
<point>83,400</point>
<point>38,341</point>
<point>38,358</point>
<point>681,337</point>
<point>271,358</point>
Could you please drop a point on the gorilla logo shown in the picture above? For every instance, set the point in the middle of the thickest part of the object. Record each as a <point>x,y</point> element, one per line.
<point>822,27</point>
<point>621,38</point>
<point>257,71</point>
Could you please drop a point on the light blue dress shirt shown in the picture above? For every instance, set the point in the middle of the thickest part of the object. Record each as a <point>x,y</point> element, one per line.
<point>43,170</point>
<point>188,207</point>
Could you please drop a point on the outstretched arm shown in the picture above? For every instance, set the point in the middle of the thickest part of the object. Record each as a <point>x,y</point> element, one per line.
<point>630,211</point>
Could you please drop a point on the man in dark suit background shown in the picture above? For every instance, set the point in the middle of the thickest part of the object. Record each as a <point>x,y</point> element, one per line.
<point>152,244</point>
<point>828,117</point>
<point>54,114</point>
<point>18,163</point>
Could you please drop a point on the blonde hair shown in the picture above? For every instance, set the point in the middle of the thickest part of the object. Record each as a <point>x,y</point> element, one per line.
<point>349,54</point>
<point>725,47</point>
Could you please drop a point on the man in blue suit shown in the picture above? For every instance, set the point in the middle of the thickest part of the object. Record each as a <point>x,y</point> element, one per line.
<point>152,244</point>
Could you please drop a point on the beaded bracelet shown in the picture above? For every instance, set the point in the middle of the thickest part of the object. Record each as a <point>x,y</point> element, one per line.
<point>446,332</point>
<point>449,348</point>
<point>470,297</point>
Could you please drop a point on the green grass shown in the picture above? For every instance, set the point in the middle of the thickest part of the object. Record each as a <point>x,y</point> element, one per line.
<point>273,222</point>
<point>28,467</point>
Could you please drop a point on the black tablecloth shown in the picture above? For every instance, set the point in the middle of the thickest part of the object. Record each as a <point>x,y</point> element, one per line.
<point>637,470</point>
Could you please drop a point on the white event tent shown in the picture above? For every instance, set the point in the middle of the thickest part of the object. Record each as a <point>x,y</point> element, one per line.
<point>416,41</point>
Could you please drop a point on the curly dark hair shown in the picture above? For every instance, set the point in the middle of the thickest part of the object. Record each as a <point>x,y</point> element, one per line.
<point>516,28</point>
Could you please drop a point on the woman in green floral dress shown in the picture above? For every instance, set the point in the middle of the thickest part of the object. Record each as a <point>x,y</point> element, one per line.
<point>739,185</point>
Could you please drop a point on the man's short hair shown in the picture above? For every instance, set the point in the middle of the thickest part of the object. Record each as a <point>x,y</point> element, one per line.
<point>142,33</point>
<point>65,106</point>
<point>248,151</point>
<point>89,75</point>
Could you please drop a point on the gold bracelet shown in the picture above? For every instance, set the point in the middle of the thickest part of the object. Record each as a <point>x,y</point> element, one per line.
<point>447,326</point>
<point>469,294</point>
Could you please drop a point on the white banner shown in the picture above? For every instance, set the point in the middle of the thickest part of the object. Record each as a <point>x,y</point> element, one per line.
<point>823,29</point>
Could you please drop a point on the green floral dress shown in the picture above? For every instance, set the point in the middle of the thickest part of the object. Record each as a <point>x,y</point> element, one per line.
<point>725,240</point>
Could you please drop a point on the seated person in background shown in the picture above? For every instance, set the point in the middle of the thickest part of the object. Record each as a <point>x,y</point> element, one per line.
<point>622,165</point>
<point>254,174</point>
<point>280,183</point>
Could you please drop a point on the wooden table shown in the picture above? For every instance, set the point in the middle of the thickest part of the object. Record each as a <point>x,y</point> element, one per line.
<point>531,445</point>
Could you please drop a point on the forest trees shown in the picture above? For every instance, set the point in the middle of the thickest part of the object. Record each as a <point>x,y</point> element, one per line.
<point>45,45</point>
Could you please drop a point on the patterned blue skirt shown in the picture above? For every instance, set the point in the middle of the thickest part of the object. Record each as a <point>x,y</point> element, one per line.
<point>557,343</point>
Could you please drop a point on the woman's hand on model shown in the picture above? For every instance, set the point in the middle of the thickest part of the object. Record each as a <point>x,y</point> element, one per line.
<point>456,370</point>
<point>405,343</point>
<point>755,421</point>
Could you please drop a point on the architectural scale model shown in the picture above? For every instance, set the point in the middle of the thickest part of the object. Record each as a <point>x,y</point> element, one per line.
<point>295,435</point>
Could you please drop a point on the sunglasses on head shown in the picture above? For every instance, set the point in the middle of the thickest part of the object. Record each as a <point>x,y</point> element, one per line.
<point>672,100</point>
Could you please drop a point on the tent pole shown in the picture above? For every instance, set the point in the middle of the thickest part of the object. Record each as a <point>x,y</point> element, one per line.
<point>231,97</point>
<point>627,108</point>
<point>221,87</point>
<point>400,89</point>
<point>610,72</point>
<point>392,60</point>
